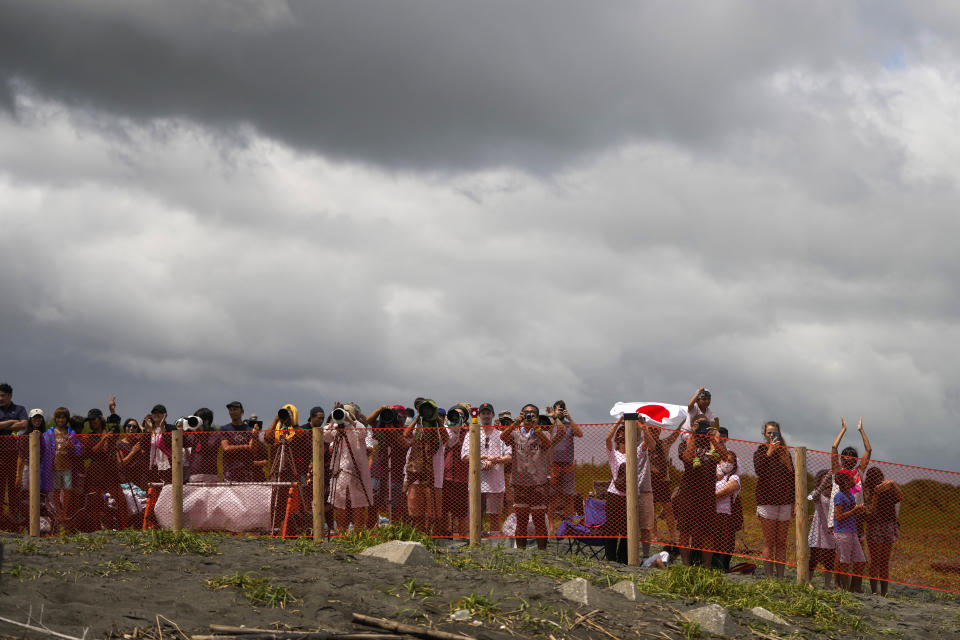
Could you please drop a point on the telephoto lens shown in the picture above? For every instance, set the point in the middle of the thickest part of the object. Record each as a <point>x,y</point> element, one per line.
<point>454,417</point>
<point>283,414</point>
<point>338,414</point>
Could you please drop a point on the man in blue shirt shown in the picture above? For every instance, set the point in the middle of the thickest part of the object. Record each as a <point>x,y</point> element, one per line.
<point>13,417</point>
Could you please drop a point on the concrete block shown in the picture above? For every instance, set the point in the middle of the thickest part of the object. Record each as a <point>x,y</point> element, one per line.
<point>769,616</point>
<point>714,619</point>
<point>578,590</point>
<point>401,552</point>
<point>627,589</point>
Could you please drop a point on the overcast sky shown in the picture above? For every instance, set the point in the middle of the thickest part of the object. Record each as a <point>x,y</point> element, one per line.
<point>488,201</point>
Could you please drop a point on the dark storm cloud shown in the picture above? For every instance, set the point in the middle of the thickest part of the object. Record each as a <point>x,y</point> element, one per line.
<point>437,85</point>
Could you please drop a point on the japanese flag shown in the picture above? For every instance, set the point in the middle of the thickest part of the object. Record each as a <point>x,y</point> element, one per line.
<point>667,415</point>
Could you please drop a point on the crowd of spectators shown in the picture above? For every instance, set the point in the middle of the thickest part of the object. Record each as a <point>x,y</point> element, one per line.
<point>411,464</point>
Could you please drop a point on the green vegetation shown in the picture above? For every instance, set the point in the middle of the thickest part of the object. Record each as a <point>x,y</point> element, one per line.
<point>778,596</point>
<point>477,604</point>
<point>307,547</point>
<point>28,546</point>
<point>255,588</point>
<point>417,589</point>
<point>357,541</point>
<point>180,542</point>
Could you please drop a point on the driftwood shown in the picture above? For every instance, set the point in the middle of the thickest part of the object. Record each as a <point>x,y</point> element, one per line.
<point>410,629</point>
<point>226,632</point>
<point>42,628</point>
<point>301,635</point>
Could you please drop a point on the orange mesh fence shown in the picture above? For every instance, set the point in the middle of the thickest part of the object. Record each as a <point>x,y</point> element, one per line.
<point>906,521</point>
<point>709,499</point>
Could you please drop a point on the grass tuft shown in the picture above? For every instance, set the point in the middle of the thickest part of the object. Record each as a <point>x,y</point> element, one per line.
<point>357,541</point>
<point>256,589</point>
<point>778,596</point>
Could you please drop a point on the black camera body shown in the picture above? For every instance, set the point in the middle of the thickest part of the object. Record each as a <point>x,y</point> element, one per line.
<point>703,428</point>
<point>387,417</point>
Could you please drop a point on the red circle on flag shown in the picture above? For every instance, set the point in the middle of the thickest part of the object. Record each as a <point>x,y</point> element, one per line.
<point>654,412</point>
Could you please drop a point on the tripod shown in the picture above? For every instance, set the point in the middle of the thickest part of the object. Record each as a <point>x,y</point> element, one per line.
<point>283,469</point>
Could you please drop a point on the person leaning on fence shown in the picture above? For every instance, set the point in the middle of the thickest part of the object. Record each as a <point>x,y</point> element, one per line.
<point>850,557</point>
<point>849,460</point>
<point>425,436</point>
<point>883,527</point>
<point>695,504</point>
<point>563,435</point>
<point>531,446</point>
<point>351,487</point>
<point>66,451</point>
<point>13,418</point>
<point>727,489</point>
<point>820,538</point>
<point>775,496</point>
<point>494,454</point>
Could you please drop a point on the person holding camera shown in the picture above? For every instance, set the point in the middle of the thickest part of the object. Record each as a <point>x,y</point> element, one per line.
<point>426,438</point>
<point>456,474</point>
<point>351,487</point>
<point>775,496</point>
<point>696,502</point>
<point>389,459</point>
<point>561,476</point>
<point>204,444</point>
<point>530,444</point>
<point>494,454</point>
<point>132,451</point>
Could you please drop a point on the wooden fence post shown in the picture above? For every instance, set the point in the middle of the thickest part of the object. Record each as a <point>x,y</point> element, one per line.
<point>35,483</point>
<point>633,491</point>
<point>800,514</point>
<point>176,467</point>
<point>318,480</point>
<point>476,512</point>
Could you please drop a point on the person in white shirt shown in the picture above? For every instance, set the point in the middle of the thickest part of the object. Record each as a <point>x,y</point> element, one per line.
<point>727,489</point>
<point>699,405</point>
<point>494,453</point>
<point>351,443</point>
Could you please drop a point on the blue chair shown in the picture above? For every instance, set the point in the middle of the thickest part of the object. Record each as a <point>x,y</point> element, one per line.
<point>585,535</point>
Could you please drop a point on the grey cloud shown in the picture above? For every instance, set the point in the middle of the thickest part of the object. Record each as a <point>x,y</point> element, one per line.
<point>431,85</point>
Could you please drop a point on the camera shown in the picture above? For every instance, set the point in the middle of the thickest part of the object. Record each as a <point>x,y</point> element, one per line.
<point>454,417</point>
<point>188,423</point>
<point>255,424</point>
<point>428,412</point>
<point>703,427</point>
<point>283,414</point>
<point>387,417</point>
<point>339,414</point>
<point>775,436</point>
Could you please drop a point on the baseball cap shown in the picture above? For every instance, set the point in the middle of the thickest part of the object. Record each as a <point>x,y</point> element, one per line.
<point>35,412</point>
<point>236,404</point>
<point>486,406</point>
<point>94,413</point>
<point>158,408</point>
<point>505,414</point>
<point>314,411</point>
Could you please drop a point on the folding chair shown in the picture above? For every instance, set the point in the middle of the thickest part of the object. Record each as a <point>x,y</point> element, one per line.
<point>585,537</point>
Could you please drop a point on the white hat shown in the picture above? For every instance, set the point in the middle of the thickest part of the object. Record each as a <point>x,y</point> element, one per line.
<point>35,412</point>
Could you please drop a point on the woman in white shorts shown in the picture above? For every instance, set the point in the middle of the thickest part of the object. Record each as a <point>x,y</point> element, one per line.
<point>775,496</point>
